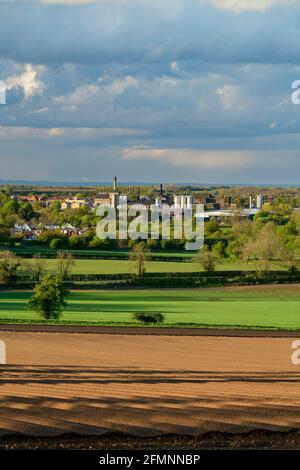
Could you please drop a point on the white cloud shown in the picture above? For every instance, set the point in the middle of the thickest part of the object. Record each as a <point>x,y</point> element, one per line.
<point>174,67</point>
<point>85,93</point>
<point>13,133</point>
<point>232,98</point>
<point>28,80</point>
<point>236,5</point>
<point>118,86</point>
<point>255,5</point>
<point>206,159</point>
<point>56,132</point>
<point>273,125</point>
<point>39,111</point>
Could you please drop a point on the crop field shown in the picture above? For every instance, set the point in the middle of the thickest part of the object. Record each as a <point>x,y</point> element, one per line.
<point>275,307</point>
<point>124,266</point>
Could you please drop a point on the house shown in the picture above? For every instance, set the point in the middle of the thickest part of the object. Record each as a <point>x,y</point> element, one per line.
<point>69,230</point>
<point>28,232</point>
<point>74,203</point>
<point>106,200</point>
<point>51,227</point>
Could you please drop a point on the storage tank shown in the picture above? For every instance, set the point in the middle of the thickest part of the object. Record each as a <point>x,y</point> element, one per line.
<point>190,201</point>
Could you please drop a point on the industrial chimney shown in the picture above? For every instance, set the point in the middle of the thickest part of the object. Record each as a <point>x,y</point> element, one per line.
<point>115,183</point>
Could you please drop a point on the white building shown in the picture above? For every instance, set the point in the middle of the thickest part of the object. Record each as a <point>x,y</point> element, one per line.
<point>183,202</point>
<point>259,201</point>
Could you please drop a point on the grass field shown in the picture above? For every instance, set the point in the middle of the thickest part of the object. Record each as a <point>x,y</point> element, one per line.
<point>124,266</point>
<point>89,253</point>
<point>275,307</point>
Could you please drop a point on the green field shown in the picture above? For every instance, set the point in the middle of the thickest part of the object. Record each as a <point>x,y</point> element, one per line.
<point>123,266</point>
<point>276,307</point>
<point>90,253</point>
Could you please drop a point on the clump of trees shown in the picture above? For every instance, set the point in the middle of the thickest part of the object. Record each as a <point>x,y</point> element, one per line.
<point>264,247</point>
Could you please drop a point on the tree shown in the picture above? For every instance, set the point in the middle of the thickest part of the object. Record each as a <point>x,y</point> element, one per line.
<point>140,254</point>
<point>56,243</point>
<point>38,267</point>
<point>207,259</point>
<point>9,264</point>
<point>220,249</point>
<point>239,235</point>
<point>48,298</point>
<point>26,211</point>
<point>64,264</point>
<point>265,247</point>
<point>212,226</point>
<point>291,260</point>
<point>77,242</point>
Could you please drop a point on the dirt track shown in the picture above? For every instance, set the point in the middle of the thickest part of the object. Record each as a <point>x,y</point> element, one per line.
<point>146,385</point>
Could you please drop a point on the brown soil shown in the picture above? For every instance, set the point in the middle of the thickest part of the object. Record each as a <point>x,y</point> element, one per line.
<point>253,440</point>
<point>150,331</point>
<point>146,386</point>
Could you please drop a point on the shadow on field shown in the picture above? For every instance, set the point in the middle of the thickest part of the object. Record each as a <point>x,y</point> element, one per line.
<point>50,401</point>
<point>93,375</point>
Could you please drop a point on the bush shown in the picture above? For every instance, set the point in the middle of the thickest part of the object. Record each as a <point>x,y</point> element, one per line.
<point>143,317</point>
<point>95,242</point>
<point>56,243</point>
<point>207,260</point>
<point>77,242</point>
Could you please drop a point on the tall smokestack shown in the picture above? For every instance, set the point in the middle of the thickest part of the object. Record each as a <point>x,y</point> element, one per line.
<point>114,183</point>
<point>161,190</point>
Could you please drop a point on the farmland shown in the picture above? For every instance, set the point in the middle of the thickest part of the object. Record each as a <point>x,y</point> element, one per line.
<point>70,383</point>
<point>264,307</point>
<point>105,266</point>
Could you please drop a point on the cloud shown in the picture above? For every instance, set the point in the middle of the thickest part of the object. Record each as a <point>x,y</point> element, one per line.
<point>71,134</point>
<point>39,111</point>
<point>85,93</point>
<point>235,5</point>
<point>254,5</point>
<point>151,89</point>
<point>232,98</point>
<point>28,81</point>
<point>194,158</point>
<point>150,32</point>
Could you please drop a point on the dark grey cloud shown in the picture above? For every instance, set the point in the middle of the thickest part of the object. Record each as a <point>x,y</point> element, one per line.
<point>183,79</point>
<point>144,31</point>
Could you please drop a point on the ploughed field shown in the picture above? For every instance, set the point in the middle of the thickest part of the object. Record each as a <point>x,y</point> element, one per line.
<point>255,307</point>
<point>144,386</point>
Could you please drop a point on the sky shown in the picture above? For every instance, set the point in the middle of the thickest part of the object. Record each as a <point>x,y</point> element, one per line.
<point>150,90</point>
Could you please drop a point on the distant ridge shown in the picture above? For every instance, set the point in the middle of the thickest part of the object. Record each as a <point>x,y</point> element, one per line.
<point>139,183</point>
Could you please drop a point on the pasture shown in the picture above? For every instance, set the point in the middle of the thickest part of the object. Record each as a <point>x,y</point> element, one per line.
<point>275,307</point>
<point>103,266</point>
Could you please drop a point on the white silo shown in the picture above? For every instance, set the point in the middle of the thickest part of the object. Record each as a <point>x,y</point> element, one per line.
<point>177,202</point>
<point>182,202</point>
<point>259,201</point>
<point>189,203</point>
